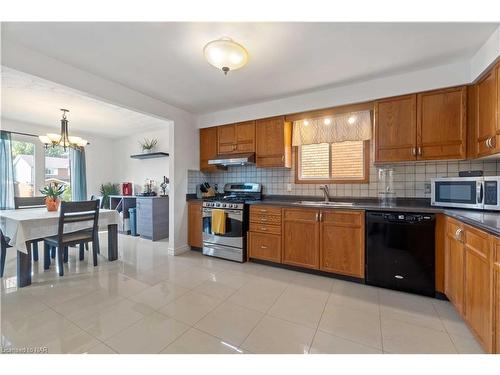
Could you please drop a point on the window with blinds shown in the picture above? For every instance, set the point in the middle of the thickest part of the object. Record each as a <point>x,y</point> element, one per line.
<point>336,162</point>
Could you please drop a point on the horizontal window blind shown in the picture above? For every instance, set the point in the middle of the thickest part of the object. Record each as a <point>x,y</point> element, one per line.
<point>336,161</point>
<point>315,161</point>
<point>348,160</point>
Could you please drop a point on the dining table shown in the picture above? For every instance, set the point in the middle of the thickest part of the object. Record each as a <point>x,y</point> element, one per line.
<point>22,227</point>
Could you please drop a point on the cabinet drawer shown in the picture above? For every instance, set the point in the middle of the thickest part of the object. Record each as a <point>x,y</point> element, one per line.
<point>348,218</point>
<point>300,214</point>
<point>266,219</point>
<point>265,228</point>
<point>264,210</point>
<point>265,246</point>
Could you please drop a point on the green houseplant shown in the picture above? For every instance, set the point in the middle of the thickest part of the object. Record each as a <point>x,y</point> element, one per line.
<point>52,194</point>
<point>107,190</point>
<point>148,145</point>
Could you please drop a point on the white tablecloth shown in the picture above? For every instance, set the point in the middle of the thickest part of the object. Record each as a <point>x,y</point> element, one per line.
<point>23,225</point>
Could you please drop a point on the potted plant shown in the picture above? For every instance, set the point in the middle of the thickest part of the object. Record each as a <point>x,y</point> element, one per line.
<point>107,190</point>
<point>148,145</point>
<point>52,194</point>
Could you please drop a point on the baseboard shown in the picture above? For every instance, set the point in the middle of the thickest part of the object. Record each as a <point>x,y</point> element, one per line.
<point>178,250</point>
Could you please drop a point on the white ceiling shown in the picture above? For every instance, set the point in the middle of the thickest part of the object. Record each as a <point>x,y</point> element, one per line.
<point>34,100</point>
<point>165,60</point>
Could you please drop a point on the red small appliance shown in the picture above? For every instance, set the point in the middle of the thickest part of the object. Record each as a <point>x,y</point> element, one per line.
<point>126,188</point>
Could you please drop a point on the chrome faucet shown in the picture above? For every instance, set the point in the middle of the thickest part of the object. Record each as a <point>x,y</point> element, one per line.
<point>326,192</point>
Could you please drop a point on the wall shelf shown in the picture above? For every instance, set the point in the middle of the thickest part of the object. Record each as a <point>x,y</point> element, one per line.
<point>150,155</point>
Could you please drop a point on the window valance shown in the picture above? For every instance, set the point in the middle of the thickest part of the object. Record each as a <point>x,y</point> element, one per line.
<point>352,126</point>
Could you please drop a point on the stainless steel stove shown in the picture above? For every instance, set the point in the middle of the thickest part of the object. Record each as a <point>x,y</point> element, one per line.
<point>232,243</point>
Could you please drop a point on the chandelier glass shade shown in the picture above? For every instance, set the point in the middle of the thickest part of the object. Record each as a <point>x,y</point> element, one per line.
<point>63,139</point>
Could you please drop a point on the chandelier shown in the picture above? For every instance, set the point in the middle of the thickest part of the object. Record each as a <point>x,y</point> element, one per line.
<point>64,139</point>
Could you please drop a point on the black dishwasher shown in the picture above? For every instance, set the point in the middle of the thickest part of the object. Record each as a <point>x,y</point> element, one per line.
<point>400,251</point>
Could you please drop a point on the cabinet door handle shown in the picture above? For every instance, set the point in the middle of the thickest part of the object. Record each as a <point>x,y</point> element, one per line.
<point>263,247</point>
<point>263,219</point>
<point>263,228</point>
<point>419,150</point>
<point>262,210</point>
<point>414,151</point>
<point>321,216</point>
<point>283,158</point>
<point>493,142</point>
<point>487,142</point>
<point>317,216</point>
<point>458,235</point>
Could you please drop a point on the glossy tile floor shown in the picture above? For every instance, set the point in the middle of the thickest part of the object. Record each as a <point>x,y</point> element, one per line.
<point>149,302</point>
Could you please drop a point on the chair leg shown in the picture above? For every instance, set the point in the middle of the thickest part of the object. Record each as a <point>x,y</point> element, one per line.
<point>53,252</point>
<point>2,258</point>
<point>95,249</point>
<point>82,251</point>
<point>60,251</point>
<point>35,251</point>
<point>46,256</point>
<point>65,254</point>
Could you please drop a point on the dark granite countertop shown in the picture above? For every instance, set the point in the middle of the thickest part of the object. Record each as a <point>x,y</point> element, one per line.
<point>486,220</point>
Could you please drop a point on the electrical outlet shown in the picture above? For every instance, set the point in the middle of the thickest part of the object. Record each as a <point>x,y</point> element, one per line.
<point>288,187</point>
<point>427,188</point>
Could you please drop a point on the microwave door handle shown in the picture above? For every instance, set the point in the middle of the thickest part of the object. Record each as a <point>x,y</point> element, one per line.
<point>479,192</point>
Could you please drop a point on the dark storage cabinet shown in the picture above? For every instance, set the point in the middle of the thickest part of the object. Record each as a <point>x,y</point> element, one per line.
<point>152,217</point>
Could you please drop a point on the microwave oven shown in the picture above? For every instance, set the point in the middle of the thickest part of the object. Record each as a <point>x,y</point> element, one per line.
<point>480,193</point>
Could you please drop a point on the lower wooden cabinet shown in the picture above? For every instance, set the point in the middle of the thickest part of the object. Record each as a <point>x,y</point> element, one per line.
<point>342,242</point>
<point>301,237</point>
<point>264,246</point>
<point>469,278</point>
<point>496,294</point>
<point>328,240</point>
<point>454,258</point>
<point>478,285</point>
<point>195,217</point>
<point>264,237</point>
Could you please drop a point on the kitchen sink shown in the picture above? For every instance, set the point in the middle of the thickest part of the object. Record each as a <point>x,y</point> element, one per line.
<point>325,204</point>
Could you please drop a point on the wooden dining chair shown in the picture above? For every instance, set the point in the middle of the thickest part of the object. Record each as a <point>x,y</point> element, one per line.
<point>72,213</point>
<point>19,204</point>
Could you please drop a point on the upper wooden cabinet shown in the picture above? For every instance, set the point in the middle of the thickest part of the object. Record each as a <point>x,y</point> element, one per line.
<point>395,129</point>
<point>195,217</point>
<point>441,124</point>
<point>425,126</point>
<point>236,138</point>
<point>208,148</point>
<point>273,138</point>
<point>486,106</point>
<point>342,242</point>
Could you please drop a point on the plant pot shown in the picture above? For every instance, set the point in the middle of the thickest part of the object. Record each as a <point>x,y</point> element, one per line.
<point>52,204</point>
<point>147,151</point>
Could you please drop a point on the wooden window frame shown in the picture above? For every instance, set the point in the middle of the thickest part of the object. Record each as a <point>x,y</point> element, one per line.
<point>364,180</point>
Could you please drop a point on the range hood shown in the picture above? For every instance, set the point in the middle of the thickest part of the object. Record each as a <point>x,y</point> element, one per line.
<point>233,159</point>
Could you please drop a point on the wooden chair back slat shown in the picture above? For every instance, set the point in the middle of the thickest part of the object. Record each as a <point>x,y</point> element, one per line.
<point>28,202</point>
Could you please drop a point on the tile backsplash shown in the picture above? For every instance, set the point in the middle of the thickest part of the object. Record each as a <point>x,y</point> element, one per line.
<point>410,179</point>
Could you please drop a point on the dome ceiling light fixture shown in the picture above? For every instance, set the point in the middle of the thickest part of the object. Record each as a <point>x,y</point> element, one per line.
<point>225,54</point>
<point>64,139</point>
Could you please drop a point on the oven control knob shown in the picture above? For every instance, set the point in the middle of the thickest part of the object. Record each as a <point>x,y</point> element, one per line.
<point>224,205</point>
<point>235,205</point>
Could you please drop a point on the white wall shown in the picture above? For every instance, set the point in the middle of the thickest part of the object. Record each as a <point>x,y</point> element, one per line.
<point>98,153</point>
<point>485,55</point>
<point>136,171</point>
<point>183,141</point>
<point>428,79</point>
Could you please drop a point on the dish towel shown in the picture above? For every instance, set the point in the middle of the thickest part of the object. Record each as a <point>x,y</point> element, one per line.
<point>218,221</point>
